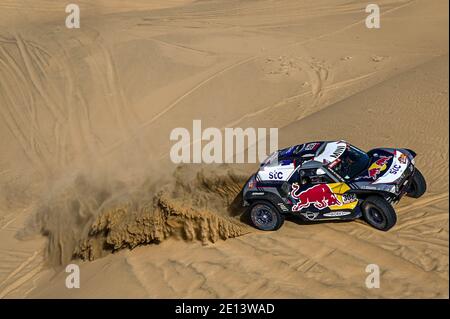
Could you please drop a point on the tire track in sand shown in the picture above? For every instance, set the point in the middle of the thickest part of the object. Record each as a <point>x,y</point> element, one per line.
<point>31,142</point>
<point>36,81</point>
<point>421,203</point>
<point>233,66</point>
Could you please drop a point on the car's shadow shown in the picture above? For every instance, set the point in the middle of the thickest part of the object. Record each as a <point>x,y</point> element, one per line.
<point>299,221</point>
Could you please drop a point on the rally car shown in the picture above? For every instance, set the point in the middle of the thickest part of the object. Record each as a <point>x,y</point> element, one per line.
<point>332,180</point>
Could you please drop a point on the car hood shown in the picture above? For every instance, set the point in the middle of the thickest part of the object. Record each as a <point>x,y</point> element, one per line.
<point>386,166</point>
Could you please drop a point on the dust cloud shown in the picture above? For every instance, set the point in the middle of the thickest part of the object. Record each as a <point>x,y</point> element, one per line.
<point>89,217</point>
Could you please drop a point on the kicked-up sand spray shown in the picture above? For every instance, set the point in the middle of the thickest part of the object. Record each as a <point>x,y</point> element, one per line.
<point>88,219</point>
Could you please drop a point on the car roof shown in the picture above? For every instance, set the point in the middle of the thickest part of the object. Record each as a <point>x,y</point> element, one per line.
<point>330,151</point>
<point>312,155</point>
<point>321,151</point>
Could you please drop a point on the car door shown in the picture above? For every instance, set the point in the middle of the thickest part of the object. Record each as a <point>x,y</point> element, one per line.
<point>316,193</point>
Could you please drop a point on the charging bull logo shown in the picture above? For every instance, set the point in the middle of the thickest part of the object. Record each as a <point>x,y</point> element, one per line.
<point>319,195</point>
<point>378,166</point>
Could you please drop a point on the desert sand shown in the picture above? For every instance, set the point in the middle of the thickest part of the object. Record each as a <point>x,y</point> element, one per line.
<point>85,119</point>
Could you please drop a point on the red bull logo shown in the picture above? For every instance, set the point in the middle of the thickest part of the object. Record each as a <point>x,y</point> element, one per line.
<point>319,195</point>
<point>378,166</point>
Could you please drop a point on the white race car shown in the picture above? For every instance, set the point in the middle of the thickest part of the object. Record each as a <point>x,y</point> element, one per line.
<point>332,180</point>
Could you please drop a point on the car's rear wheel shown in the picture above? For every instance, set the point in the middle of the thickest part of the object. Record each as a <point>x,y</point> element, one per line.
<point>265,216</point>
<point>378,213</point>
<point>418,185</point>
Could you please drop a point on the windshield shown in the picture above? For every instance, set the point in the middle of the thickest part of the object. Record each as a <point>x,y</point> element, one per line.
<point>351,163</point>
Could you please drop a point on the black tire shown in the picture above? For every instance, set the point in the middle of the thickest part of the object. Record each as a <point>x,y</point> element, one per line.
<point>418,185</point>
<point>265,216</point>
<point>378,213</point>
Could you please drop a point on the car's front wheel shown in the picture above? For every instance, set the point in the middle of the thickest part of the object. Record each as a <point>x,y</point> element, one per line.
<point>378,213</point>
<point>418,185</point>
<point>265,216</point>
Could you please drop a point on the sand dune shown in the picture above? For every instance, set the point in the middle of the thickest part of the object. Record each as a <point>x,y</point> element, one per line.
<point>85,121</point>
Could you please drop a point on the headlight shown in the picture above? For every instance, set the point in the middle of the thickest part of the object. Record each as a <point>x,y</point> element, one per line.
<point>393,189</point>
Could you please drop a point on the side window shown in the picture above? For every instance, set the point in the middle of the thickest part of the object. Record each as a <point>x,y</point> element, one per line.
<point>312,176</point>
